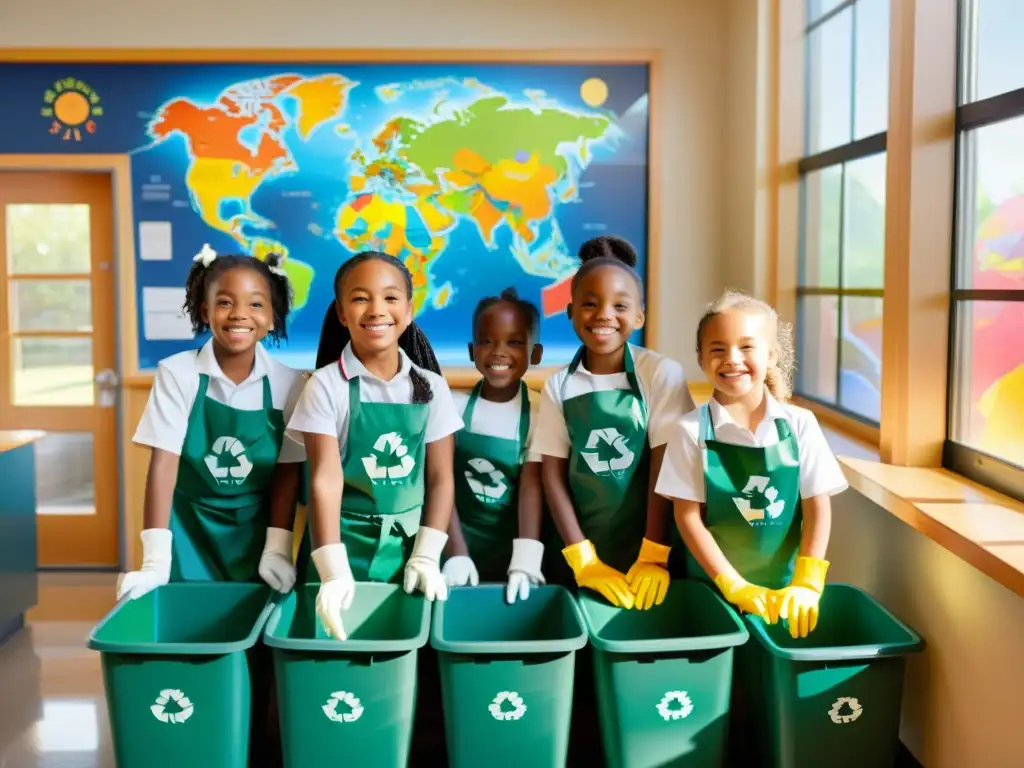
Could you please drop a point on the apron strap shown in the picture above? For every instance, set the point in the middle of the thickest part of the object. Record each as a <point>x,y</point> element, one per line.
<point>353,399</point>
<point>204,384</point>
<point>524,413</point>
<point>784,430</point>
<point>707,426</point>
<point>467,415</point>
<point>634,383</point>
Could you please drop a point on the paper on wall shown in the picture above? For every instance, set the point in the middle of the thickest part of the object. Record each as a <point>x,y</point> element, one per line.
<point>163,319</point>
<point>155,240</point>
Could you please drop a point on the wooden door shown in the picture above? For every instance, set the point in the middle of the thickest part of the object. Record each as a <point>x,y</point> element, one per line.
<point>57,355</point>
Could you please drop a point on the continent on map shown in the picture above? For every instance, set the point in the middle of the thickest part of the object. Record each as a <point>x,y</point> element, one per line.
<point>237,143</point>
<point>426,175</point>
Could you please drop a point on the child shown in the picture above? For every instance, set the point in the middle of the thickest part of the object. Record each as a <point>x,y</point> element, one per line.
<point>491,478</point>
<point>215,422</point>
<point>604,421</point>
<point>377,429</point>
<point>762,467</point>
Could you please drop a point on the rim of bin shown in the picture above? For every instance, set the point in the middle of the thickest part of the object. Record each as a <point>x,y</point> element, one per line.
<point>513,647</point>
<point>330,645</point>
<point>669,645</point>
<point>185,649</point>
<point>849,652</point>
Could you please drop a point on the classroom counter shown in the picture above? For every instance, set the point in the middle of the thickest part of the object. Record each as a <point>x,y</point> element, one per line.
<point>17,528</point>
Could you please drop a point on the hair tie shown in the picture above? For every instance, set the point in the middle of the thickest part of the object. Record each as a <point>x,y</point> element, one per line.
<point>278,271</point>
<point>206,255</point>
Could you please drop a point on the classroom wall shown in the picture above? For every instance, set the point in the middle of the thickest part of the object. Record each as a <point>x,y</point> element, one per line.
<point>961,703</point>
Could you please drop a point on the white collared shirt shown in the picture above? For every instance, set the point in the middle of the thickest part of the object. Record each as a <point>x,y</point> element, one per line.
<point>323,408</point>
<point>176,383</point>
<point>682,473</point>
<point>499,419</point>
<point>661,381</point>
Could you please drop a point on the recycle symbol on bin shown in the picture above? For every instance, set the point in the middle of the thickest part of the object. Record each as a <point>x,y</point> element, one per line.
<point>174,699</point>
<point>227,461</point>
<point>607,452</point>
<point>488,494</point>
<point>757,499</point>
<point>514,700</point>
<point>390,459</point>
<point>850,715</point>
<point>675,705</point>
<point>343,697</point>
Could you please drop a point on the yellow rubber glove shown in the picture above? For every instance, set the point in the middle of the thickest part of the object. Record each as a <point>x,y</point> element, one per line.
<point>648,578</point>
<point>798,603</point>
<point>748,597</point>
<point>591,573</point>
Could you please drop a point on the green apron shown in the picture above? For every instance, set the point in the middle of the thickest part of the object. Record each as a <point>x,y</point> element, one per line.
<point>753,504</point>
<point>220,507</point>
<point>609,466</point>
<point>382,501</point>
<point>487,489</point>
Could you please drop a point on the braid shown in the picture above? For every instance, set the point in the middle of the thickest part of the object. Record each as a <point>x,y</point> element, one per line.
<point>201,278</point>
<point>334,336</point>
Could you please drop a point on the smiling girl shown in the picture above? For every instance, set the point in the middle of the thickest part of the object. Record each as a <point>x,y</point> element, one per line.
<point>378,431</point>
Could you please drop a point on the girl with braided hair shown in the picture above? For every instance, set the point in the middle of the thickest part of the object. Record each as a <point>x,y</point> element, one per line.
<point>377,424</point>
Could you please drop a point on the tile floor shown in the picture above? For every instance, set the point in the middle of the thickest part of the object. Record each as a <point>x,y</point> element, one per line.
<point>52,708</point>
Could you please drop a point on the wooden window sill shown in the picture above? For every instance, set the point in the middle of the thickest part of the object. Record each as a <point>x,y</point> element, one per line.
<point>11,439</point>
<point>975,523</point>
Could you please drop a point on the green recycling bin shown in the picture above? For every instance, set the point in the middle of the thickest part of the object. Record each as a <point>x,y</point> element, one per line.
<point>664,676</point>
<point>507,675</point>
<point>348,702</point>
<point>176,668</point>
<point>832,698</point>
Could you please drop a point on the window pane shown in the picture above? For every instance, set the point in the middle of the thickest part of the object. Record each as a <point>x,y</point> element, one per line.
<point>864,223</point>
<point>819,257</point>
<point>989,409</point>
<point>64,474</point>
<point>818,8</point>
<point>999,58</point>
<point>860,357</point>
<point>817,353</point>
<point>871,73</point>
<point>992,203</point>
<point>51,305</point>
<point>48,238</point>
<point>53,371</point>
<point>829,66</point>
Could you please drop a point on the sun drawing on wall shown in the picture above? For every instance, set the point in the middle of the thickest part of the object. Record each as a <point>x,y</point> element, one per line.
<point>72,106</point>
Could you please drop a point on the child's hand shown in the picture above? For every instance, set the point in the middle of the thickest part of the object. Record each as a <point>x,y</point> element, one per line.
<point>460,571</point>
<point>156,565</point>
<point>591,573</point>
<point>423,569</point>
<point>798,603</point>
<point>524,569</point>
<point>648,578</point>
<point>337,588</point>
<point>749,598</point>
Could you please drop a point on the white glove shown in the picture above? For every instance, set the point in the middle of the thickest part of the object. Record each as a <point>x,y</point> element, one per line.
<point>276,563</point>
<point>460,571</point>
<point>156,565</point>
<point>524,569</point>
<point>337,588</point>
<point>423,570</point>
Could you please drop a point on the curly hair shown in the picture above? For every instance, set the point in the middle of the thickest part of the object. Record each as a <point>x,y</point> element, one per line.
<point>201,278</point>
<point>334,336</point>
<point>779,378</point>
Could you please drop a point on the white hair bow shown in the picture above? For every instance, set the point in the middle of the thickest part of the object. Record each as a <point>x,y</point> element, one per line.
<point>206,255</point>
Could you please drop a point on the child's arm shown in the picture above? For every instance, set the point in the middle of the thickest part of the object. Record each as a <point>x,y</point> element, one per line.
<point>556,491</point>
<point>326,481</point>
<point>705,550</point>
<point>459,569</point>
<point>423,569</point>
<point>524,569</point>
<point>162,429</point>
<point>276,567</point>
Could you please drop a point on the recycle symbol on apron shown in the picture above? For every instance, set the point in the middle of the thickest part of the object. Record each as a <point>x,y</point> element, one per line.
<point>607,451</point>
<point>390,459</point>
<point>227,461</point>
<point>758,499</point>
<point>488,494</point>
